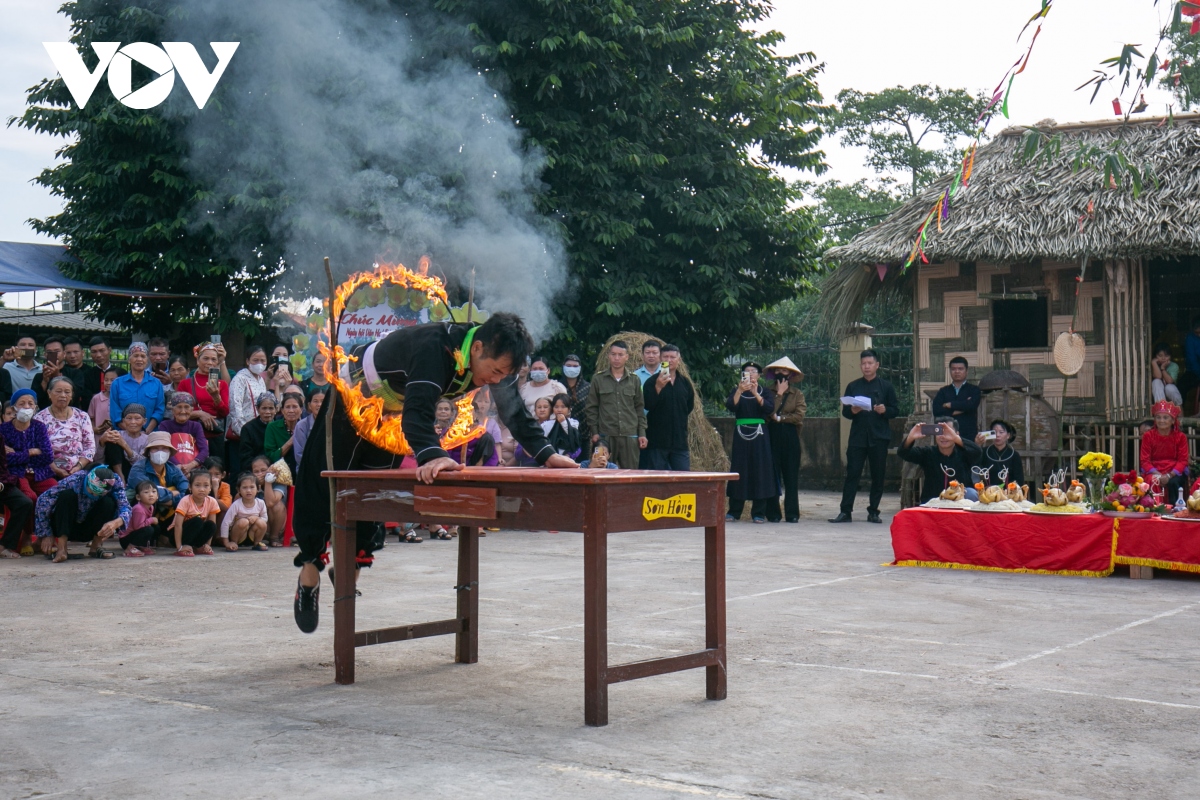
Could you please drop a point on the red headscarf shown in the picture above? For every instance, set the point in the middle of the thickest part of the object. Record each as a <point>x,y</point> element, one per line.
<point>1167,407</point>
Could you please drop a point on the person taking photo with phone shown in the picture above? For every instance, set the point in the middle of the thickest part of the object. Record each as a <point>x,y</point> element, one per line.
<point>999,455</point>
<point>751,404</point>
<point>211,392</point>
<point>950,459</point>
<point>20,364</point>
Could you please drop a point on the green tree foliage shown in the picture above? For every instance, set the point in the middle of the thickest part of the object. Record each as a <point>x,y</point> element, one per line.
<point>844,210</point>
<point>660,122</point>
<point>126,195</point>
<point>1183,73</point>
<point>895,124</point>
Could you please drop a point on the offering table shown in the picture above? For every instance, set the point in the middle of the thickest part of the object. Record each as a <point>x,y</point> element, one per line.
<point>594,502</point>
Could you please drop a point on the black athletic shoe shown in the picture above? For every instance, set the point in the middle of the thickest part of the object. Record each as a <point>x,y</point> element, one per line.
<point>842,517</point>
<point>306,608</point>
<point>874,517</point>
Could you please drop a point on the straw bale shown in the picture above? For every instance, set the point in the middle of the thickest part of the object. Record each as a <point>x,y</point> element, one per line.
<point>704,443</point>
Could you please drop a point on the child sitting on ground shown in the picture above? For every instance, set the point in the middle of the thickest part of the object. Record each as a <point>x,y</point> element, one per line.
<point>196,517</point>
<point>275,496</point>
<point>247,517</point>
<point>143,527</point>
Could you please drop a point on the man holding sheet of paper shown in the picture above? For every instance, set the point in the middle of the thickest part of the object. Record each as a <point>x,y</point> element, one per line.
<point>869,402</point>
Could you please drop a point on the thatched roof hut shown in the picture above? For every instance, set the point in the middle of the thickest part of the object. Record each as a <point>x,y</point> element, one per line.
<point>1116,268</point>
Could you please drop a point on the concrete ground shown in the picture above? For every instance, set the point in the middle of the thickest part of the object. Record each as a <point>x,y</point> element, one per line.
<point>166,677</point>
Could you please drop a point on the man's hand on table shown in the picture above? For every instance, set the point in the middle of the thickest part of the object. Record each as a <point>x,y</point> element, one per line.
<point>559,461</point>
<point>430,469</point>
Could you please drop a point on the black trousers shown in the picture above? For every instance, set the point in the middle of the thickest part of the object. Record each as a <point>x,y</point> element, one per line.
<point>311,513</point>
<point>197,531</point>
<point>758,508</point>
<point>142,537</point>
<point>19,508</point>
<point>116,458</point>
<point>785,451</point>
<point>64,516</point>
<point>856,457</point>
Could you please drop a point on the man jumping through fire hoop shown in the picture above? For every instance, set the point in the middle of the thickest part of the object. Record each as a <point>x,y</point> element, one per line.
<point>410,369</point>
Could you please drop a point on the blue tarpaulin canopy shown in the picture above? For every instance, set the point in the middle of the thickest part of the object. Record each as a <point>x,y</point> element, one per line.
<point>25,267</point>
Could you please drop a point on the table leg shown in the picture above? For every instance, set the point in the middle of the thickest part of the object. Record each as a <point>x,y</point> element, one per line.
<point>344,542</point>
<point>466,642</point>
<point>595,619</point>
<point>714,606</point>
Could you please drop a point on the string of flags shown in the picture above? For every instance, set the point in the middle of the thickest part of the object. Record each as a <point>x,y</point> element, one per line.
<point>941,209</point>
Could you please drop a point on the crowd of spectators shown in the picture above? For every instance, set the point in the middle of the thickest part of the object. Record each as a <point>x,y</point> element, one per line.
<point>178,452</point>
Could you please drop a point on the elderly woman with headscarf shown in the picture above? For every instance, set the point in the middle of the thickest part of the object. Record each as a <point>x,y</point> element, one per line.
<point>83,507</point>
<point>71,437</point>
<point>187,434</point>
<point>1164,459</point>
<point>752,450</point>
<point>211,394</point>
<point>139,387</point>
<point>254,432</point>
<point>783,426</point>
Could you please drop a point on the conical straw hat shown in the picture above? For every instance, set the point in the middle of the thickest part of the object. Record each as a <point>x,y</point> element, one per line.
<point>786,363</point>
<point>1069,351</point>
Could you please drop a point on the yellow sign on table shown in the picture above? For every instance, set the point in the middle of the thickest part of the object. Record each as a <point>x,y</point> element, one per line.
<point>681,506</point>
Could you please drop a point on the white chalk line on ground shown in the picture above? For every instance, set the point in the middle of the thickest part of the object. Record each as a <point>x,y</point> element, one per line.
<point>157,700</point>
<point>1108,697</point>
<point>841,668</point>
<point>727,600</point>
<point>1026,659</point>
<point>648,782</point>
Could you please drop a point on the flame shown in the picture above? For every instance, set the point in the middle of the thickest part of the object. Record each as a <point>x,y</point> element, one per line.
<point>366,413</point>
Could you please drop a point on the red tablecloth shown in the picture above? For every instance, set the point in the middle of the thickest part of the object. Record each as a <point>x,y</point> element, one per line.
<point>1161,543</point>
<point>1071,544</point>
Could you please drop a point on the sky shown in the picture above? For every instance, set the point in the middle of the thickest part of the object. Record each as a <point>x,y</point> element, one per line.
<point>952,43</point>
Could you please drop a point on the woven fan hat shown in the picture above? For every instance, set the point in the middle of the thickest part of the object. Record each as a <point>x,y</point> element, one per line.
<point>1069,351</point>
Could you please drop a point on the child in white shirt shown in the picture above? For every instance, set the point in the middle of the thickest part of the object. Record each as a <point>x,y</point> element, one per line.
<point>247,516</point>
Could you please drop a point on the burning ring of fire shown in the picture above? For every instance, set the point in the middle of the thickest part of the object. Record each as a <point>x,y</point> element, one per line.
<point>366,413</point>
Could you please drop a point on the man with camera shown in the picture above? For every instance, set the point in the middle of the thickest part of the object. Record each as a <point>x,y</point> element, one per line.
<point>950,459</point>
<point>160,359</point>
<point>20,364</point>
<point>669,400</point>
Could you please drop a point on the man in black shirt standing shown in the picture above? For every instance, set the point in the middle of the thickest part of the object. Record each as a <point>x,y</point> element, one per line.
<point>870,435</point>
<point>669,401</point>
<point>959,400</point>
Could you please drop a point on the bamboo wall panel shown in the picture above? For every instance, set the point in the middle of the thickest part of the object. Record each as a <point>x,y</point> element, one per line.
<point>1127,319</point>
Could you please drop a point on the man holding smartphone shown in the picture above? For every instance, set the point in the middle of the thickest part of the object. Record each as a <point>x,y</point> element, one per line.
<point>20,364</point>
<point>951,457</point>
<point>160,359</point>
<point>870,435</point>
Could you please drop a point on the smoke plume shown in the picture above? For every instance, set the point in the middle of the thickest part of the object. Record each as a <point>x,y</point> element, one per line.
<point>371,142</point>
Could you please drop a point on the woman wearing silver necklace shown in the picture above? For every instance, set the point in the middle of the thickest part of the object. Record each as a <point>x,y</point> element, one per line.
<point>998,456</point>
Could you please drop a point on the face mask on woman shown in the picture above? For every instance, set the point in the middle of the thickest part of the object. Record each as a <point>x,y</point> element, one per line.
<point>24,414</point>
<point>256,369</point>
<point>571,372</point>
<point>159,457</point>
<point>538,375</point>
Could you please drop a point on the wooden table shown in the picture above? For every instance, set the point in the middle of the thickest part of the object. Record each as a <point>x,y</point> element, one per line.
<point>595,502</point>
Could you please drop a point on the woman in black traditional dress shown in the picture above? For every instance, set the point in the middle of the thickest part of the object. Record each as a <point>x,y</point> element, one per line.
<point>752,450</point>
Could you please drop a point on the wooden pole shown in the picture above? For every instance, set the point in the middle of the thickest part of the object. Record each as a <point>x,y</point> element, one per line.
<point>331,400</point>
<point>471,297</point>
